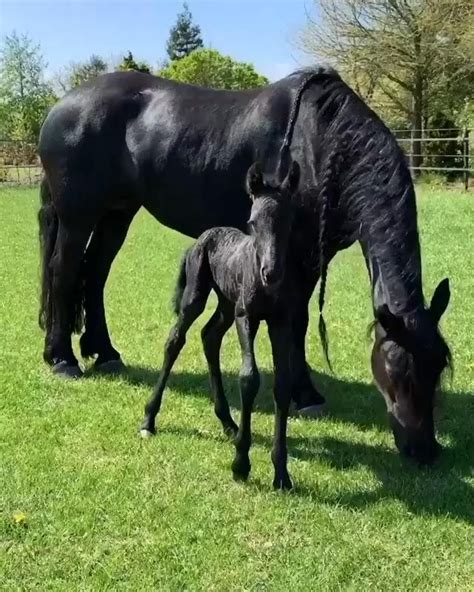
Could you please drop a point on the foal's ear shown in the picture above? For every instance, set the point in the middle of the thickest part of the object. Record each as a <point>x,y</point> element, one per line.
<point>254,182</point>
<point>290,184</point>
<point>392,324</point>
<point>440,300</point>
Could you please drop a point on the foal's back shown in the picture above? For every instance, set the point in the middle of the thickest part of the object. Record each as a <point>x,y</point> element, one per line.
<point>228,254</point>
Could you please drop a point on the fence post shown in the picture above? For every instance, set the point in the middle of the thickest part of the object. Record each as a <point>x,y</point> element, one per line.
<point>465,159</point>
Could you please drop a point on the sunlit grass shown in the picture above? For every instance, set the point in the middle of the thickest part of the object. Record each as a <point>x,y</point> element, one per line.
<point>86,505</point>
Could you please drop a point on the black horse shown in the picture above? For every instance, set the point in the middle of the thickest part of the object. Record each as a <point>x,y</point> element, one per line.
<point>252,279</point>
<point>127,140</point>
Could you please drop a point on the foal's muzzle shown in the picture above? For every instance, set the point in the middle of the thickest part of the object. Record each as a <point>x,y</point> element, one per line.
<point>271,278</point>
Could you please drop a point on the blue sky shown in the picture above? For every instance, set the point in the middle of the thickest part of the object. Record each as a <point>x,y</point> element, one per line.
<point>258,31</point>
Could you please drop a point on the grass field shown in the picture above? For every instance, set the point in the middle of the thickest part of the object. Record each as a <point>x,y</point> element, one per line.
<point>103,510</point>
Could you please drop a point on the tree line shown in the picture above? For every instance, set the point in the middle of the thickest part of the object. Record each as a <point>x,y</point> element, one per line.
<point>26,95</point>
<point>411,60</point>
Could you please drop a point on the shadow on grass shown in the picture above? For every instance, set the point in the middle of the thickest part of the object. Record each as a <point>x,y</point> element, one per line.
<point>439,490</point>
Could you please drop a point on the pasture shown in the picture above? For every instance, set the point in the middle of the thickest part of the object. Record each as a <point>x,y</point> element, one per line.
<point>104,510</point>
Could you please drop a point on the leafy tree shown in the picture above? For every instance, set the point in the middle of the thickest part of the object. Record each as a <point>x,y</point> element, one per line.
<point>208,67</point>
<point>129,63</point>
<point>24,96</point>
<point>80,72</point>
<point>184,36</point>
<point>410,59</point>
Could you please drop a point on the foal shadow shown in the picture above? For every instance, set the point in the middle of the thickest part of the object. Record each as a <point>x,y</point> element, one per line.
<point>439,490</point>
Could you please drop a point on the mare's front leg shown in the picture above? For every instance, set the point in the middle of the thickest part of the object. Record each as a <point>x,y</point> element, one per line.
<point>280,337</point>
<point>308,400</point>
<point>192,305</point>
<point>249,385</point>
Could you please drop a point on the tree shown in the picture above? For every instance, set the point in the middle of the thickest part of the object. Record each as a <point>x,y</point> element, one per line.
<point>78,72</point>
<point>82,71</point>
<point>208,67</point>
<point>24,95</point>
<point>129,63</point>
<point>184,36</point>
<point>407,58</point>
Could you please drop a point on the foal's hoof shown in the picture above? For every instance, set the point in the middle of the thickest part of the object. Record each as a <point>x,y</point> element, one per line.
<point>240,469</point>
<point>282,483</point>
<point>146,433</point>
<point>110,367</point>
<point>311,411</point>
<point>64,369</point>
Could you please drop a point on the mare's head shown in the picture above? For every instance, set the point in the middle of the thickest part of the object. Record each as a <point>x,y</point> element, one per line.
<point>408,358</point>
<point>270,221</point>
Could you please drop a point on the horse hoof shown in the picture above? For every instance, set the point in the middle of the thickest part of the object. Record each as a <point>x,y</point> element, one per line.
<point>282,483</point>
<point>110,367</point>
<point>312,411</point>
<point>145,434</point>
<point>66,370</point>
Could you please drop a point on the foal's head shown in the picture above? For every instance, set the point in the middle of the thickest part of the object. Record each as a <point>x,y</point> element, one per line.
<point>270,221</point>
<point>408,358</point>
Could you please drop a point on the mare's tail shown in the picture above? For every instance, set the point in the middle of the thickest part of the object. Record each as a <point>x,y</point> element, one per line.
<point>180,284</point>
<point>48,231</point>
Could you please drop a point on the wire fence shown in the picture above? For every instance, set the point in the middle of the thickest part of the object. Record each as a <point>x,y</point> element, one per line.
<point>19,163</point>
<point>447,152</point>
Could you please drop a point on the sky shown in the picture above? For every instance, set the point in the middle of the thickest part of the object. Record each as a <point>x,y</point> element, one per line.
<point>259,31</point>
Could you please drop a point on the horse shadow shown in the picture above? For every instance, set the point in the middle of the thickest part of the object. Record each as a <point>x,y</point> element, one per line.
<point>439,490</point>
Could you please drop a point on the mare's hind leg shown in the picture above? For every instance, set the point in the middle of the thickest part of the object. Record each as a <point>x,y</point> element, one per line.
<point>66,265</point>
<point>107,239</point>
<point>192,305</point>
<point>212,336</point>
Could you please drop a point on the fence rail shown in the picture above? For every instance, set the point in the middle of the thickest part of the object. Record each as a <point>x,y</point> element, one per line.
<point>19,163</point>
<point>443,150</point>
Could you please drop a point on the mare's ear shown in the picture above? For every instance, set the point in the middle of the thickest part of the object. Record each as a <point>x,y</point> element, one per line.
<point>392,324</point>
<point>254,182</point>
<point>439,302</point>
<point>292,180</point>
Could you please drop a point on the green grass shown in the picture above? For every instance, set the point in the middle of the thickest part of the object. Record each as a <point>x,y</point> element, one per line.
<point>107,511</point>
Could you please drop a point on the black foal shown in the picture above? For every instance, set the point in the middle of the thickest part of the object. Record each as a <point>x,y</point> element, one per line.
<point>249,275</point>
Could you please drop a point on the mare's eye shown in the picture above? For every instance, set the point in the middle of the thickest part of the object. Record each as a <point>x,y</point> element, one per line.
<point>250,223</point>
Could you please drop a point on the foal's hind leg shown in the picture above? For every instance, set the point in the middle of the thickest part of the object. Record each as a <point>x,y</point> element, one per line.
<point>66,264</point>
<point>192,305</point>
<point>107,239</point>
<point>212,336</point>
<point>249,385</point>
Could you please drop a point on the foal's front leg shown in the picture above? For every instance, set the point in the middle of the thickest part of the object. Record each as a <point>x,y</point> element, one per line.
<point>249,385</point>
<point>280,337</point>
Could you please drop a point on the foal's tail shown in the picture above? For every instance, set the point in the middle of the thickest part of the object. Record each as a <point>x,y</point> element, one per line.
<point>180,284</point>
<point>48,231</point>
